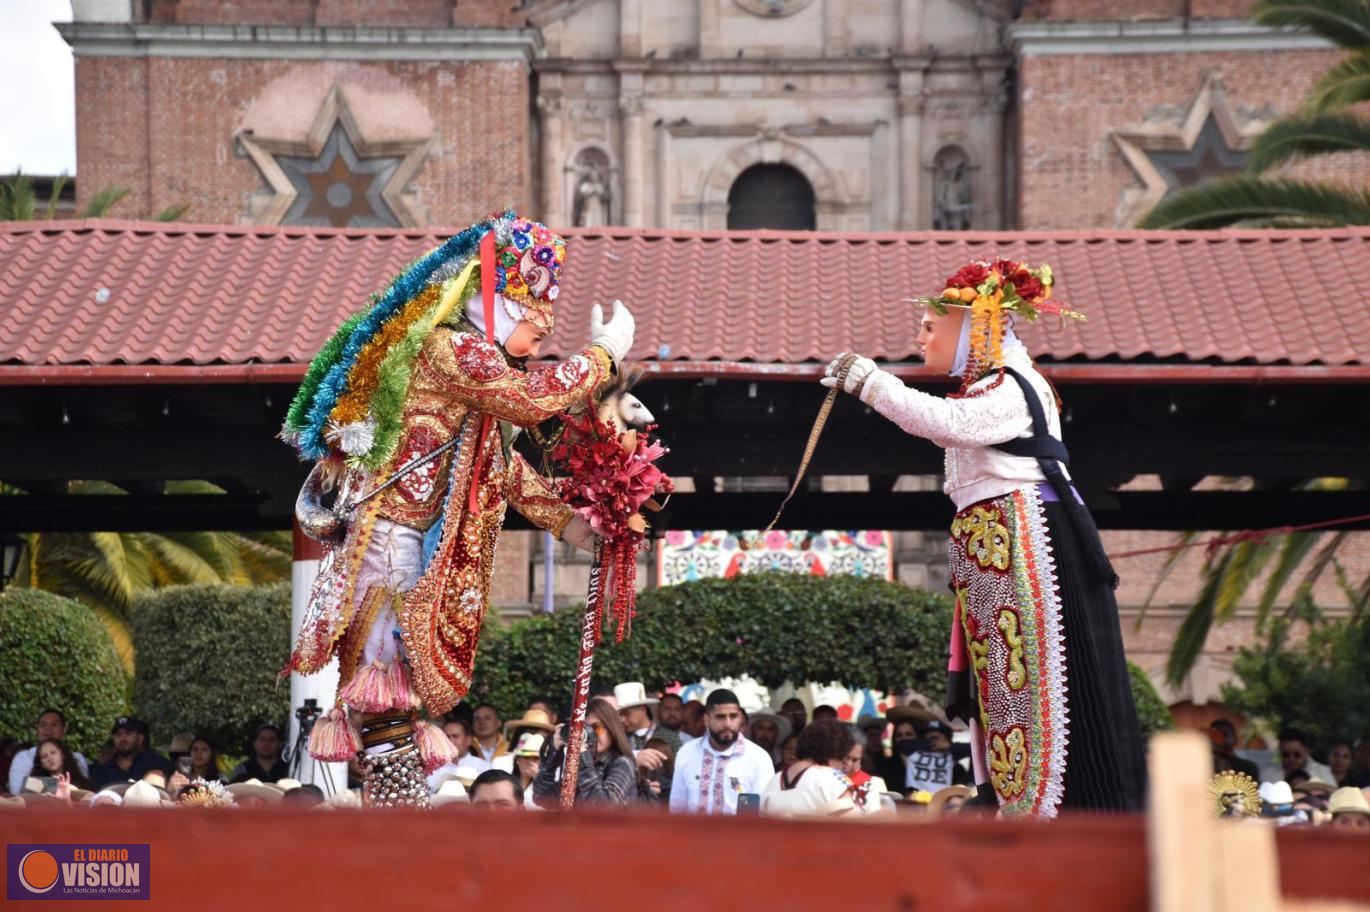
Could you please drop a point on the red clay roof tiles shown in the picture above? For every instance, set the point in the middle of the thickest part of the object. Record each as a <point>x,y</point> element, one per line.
<point>110,292</point>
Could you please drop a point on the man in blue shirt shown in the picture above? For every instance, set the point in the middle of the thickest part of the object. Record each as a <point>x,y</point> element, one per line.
<point>132,760</point>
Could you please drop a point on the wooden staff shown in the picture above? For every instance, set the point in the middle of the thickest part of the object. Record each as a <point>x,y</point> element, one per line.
<point>591,626</point>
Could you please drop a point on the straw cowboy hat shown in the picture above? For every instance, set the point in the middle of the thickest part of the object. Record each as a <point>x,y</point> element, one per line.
<point>450,792</point>
<point>632,694</point>
<point>254,788</point>
<point>529,745</point>
<point>1348,800</point>
<point>918,709</point>
<point>145,794</point>
<point>782,724</point>
<point>533,718</point>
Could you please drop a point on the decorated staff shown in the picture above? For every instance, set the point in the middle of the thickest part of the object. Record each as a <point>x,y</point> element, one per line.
<point>610,477</point>
<point>410,411</point>
<point>1037,663</point>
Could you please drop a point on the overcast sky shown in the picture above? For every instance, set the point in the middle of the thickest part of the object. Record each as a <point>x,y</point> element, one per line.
<point>37,103</point>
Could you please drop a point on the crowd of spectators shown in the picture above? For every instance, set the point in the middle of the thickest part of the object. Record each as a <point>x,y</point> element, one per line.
<point>644,750</point>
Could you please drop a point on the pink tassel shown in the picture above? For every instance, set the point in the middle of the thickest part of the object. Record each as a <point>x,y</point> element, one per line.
<point>334,738</point>
<point>397,680</point>
<point>369,690</point>
<point>434,746</point>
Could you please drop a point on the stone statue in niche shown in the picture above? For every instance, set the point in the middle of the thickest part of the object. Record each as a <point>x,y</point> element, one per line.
<point>951,190</point>
<point>592,198</point>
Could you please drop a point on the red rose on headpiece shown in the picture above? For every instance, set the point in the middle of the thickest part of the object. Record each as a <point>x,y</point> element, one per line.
<point>1028,286</point>
<point>968,276</point>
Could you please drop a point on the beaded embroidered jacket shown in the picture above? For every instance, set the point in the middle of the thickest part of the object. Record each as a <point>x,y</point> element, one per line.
<point>461,386</point>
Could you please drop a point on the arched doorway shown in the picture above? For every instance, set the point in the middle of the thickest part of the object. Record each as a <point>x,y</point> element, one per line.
<point>771,196</point>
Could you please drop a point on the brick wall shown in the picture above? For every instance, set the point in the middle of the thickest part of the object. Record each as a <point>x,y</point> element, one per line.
<point>1073,174</point>
<point>1135,10</point>
<point>195,106</point>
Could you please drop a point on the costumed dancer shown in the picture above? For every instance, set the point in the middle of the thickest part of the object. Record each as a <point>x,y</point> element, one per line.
<point>1037,665</point>
<point>410,410</point>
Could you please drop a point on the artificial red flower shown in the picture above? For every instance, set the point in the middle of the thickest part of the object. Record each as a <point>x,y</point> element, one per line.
<point>1028,286</point>
<point>968,276</point>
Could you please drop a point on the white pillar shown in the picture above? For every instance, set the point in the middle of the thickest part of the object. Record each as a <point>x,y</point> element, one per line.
<point>554,212</point>
<point>322,686</point>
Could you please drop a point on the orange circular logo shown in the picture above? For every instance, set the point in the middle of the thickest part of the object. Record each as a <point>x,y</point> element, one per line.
<point>38,871</point>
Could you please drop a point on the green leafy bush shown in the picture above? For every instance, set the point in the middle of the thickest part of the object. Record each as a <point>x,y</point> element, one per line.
<point>55,653</point>
<point>776,627</point>
<point>1152,713</point>
<point>208,658</point>
<point>1321,684</point>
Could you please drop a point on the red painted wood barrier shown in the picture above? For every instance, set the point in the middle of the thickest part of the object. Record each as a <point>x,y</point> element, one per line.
<point>460,858</point>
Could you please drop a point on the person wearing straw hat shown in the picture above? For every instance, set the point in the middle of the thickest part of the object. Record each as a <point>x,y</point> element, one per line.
<point>1037,663</point>
<point>635,709</point>
<point>1350,809</point>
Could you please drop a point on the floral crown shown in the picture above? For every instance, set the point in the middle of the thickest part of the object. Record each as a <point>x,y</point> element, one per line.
<point>1003,285</point>
<point>528,259</point>
<point>990,289</point>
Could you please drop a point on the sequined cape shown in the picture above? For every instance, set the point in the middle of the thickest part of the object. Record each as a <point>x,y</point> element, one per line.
<point>462,386</point>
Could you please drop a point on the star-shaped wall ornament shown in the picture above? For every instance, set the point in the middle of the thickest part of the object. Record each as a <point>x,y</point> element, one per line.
<point>1208,140</point>
<point>335,178</point>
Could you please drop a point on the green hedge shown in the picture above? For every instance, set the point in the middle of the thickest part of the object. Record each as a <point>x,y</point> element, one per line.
<point>777,627</point>
<point>1152,713</point>
<point>208,658</point>
<point>55,653</point>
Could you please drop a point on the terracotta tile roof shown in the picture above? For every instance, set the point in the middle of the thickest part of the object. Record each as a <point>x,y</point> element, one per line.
<point>109,292</point>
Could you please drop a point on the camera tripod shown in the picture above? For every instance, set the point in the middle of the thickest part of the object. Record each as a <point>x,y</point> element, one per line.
<point>319,773</point>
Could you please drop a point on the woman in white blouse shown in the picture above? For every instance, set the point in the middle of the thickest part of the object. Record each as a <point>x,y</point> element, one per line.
<point>1037,663</point>
<point>815,785</point>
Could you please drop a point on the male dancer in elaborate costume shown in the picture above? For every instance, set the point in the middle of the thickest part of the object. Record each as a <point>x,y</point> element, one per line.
<point>411,409</point>
<point>1037,663</point>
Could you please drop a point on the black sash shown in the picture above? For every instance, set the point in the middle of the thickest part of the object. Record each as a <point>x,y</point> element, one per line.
<point>1051,454</point>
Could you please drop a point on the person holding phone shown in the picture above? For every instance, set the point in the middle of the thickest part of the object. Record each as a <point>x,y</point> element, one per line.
<point>52,760</point>
<point>608,775</point>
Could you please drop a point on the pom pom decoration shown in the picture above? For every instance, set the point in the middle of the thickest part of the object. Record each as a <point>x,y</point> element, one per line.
<point>370,690</point>
<point>435,748</point>
<point>334,738</point>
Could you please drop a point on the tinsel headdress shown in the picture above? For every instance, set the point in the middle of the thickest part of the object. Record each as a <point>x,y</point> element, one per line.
<point>991,290</point>
<point>352,398</point>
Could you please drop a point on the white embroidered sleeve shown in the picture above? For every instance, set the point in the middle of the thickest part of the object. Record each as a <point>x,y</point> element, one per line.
<point>992,417</point>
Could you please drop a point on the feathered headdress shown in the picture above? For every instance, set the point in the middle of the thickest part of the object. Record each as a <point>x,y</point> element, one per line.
<point>352,399</point>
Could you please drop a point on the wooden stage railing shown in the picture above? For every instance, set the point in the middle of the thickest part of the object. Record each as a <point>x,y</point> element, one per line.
<point>462,859</point>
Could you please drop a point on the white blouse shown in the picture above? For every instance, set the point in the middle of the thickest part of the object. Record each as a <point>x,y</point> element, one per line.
<point>966,428</point>
<point>821,791</point>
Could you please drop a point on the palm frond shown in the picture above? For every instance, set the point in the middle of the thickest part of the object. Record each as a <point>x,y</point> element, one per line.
<point>58,184</point>
<point>1248,199</point>
<point>17,201</point>
<point>104,200</point>
<point>1193,632</point>
<point>1307,135</point>
<point>1246,560</point>
<point>263,559</point>
<point>1346,84</point>
<point>1171,560</point>
<point>1345,23</point>
<point>174,562</point>
<point>172,213</point>
<point>1295,547</point>
<point>120,632</point>
<point>1303,595</point>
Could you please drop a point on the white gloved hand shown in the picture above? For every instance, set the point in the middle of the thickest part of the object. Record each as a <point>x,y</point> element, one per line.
<point>858,373</point>
<point>615,336</point>
<point>579,534</point>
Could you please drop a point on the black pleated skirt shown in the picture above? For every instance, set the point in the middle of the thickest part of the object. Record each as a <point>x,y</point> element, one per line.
<point>1104,769</point>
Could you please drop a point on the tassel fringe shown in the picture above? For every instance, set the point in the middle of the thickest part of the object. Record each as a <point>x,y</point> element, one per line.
<point>434,746</point>
<point>334,738</point>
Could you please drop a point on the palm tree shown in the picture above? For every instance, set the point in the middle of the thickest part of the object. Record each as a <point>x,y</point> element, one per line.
<point>107,570</point>
<point>1325,126</point>
<point>19,203</point>
<point>1296,561</point>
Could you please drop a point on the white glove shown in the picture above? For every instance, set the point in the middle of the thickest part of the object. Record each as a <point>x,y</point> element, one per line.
<point>579,534</point>
<point>858,372</point>
<point>616,336</point>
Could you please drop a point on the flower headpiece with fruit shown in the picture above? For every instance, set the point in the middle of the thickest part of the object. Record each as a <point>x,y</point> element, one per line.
<point>989,290</point>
